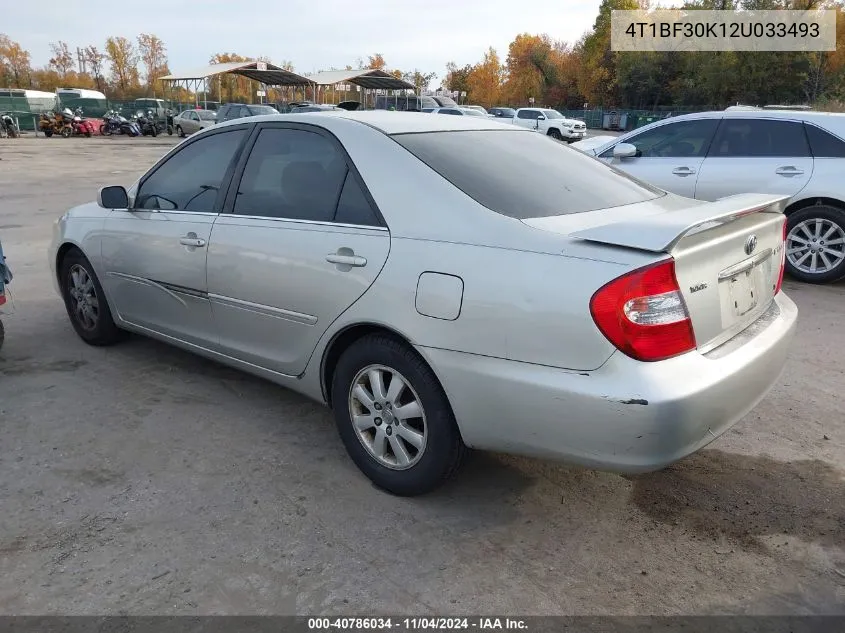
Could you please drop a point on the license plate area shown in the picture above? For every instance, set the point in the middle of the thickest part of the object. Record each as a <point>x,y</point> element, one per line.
<point>744,289</point>
<point>741,292</point>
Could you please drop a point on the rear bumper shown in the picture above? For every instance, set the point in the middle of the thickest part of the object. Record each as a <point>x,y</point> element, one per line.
<point>627,416</point>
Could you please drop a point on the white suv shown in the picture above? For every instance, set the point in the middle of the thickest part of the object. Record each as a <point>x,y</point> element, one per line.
<point>709,155</point>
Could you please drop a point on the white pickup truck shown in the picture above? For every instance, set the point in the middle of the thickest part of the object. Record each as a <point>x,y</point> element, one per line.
<point>550,122</point>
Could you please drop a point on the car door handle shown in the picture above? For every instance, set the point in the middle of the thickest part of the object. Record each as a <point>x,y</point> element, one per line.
<point>346,260</point>
<point>196,242</point>
<point>683,171</point>
<point>789,170</point>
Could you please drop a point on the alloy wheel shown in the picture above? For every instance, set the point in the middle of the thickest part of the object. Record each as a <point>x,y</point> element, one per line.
<point>816,246</point>
<point>388,417</point>
<point>83,297</point>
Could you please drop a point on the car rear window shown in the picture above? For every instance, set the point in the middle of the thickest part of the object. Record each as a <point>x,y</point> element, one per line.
<point>523,174</point>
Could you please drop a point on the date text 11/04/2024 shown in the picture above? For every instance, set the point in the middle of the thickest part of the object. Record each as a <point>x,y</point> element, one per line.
<point>415,624</point>
<point>723,29</point>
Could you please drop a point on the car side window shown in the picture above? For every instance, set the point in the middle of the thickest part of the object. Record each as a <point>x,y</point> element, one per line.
<point>192,177</point>
<point>682,139</point>
<point>526,114</point>
<point>824,144</point>
<point>760,138</point>
<point>353,207</point>
<point>292,174</point>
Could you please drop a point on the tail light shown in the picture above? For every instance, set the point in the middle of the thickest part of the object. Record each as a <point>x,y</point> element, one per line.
<point>643,313</point>
<point>782,259</point>
<point>2,298</point>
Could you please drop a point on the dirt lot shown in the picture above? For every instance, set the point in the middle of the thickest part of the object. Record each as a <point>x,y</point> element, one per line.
<point>140,479</point>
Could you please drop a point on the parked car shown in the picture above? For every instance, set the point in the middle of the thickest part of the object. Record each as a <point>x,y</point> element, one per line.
<point>548,304</point>
<point>710,155</point>
<point>229,111</point>
<point>550,122</point>
<point>158,107</point>
<point>502,113</point>
<point>190,121</point>
<point>459,111</point>
<point>477,108</point>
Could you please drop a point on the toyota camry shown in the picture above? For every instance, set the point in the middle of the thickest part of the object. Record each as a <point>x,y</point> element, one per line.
<point>443,283</point>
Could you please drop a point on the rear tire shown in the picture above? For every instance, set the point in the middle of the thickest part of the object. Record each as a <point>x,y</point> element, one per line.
<point>412,444</point>
<point>180,132</point>
<point>819,227</point>
<point>86,302</point>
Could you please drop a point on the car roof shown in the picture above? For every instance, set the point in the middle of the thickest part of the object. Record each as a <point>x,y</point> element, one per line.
<point>389,122</point>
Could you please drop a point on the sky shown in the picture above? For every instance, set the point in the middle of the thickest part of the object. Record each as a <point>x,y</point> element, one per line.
<point>313,34</point>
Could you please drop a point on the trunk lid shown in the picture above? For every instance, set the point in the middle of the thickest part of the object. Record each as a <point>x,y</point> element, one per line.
<point>727,253</point>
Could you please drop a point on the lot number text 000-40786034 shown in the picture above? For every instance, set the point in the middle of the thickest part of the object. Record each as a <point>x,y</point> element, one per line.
<point>673,30</point>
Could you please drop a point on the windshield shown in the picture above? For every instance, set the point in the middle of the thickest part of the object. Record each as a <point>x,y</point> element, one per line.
<point>552,114</point>
<point>525,175</point>
<point>262,109</point>
<point>473,112</point>
<point>206,115</point>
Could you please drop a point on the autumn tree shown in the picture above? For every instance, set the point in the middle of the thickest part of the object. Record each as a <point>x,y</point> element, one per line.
<point>94,60</point>
<point>375,62</point>
<point>485,80</point>
<point>153,54</point>
<point>124,60</point>
<point>420,79</point>
<point>62,60</point>
<point>457,78</point>
<point>527,68</point>
<point>597,79</point>
<point>15,63</point>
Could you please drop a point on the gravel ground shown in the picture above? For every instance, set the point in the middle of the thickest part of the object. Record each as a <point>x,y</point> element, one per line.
<point>140,479</point>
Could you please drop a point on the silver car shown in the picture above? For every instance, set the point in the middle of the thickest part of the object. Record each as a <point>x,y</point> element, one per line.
<point>190,121</point>
<point>709,155</point>
<point>547,304</point>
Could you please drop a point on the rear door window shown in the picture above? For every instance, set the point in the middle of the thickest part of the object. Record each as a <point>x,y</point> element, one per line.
<point>760,138</point>
<point>525,175</point>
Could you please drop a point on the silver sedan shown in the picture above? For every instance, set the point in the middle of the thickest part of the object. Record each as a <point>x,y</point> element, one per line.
<point>546,304</point>
<point>190,121</point>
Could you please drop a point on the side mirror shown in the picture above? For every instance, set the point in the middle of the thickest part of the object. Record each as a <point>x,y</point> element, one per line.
<point>624,150</point>
<point>541,117</point>
<point>114,197</point>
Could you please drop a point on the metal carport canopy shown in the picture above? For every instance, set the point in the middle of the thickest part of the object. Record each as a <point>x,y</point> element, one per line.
<point>369,79</point>
<point>273,76</point>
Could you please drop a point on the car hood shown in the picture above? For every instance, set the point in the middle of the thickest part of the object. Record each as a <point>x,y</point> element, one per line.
<point>594,145</point>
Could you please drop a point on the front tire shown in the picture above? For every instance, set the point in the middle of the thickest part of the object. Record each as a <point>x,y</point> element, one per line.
<point>85,301</point>
<point>815,244</point>
<point>179,131</point>
<point>394,417</point>
<point>555,134</point>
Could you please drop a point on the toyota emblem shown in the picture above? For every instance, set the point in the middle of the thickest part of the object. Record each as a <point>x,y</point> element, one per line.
<point>750,244</point>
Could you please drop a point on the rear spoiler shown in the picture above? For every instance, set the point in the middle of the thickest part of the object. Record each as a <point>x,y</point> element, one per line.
<point>661,232</point>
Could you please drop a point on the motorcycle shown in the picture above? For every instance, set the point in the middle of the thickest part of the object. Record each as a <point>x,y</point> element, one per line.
<point>114,123</point>
<point>8,128</point>
<point>5,280</point>
<point>147,123</point>
<point>55,123</point>
<point>81,126</point>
